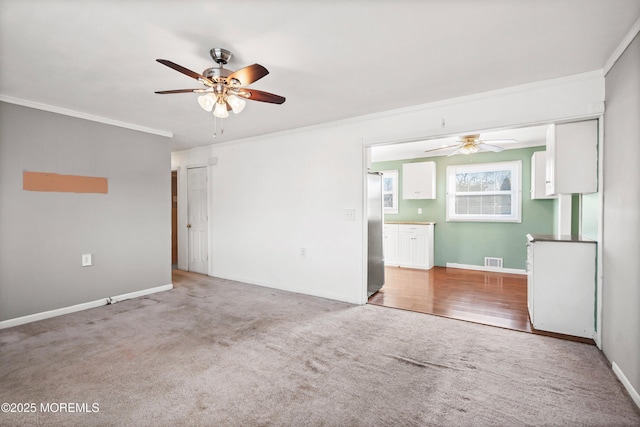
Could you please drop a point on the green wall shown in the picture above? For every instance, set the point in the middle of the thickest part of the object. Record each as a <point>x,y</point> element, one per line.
<point>469,242</point>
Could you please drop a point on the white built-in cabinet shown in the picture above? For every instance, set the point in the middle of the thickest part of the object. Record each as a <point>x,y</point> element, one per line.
<point>409,245</point>
<point>539,176</point>
<point>561,285</point>
<point>419,180</point>
<point>390,244</point>
<point>572,158</point>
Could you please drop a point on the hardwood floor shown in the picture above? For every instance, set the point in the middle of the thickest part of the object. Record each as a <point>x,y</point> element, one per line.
<point>495,299</point>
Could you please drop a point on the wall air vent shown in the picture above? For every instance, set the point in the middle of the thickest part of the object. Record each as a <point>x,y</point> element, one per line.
<point>493,262</point>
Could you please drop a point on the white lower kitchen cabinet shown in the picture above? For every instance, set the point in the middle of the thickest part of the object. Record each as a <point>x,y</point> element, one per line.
<point>390,244</point>
<point>561,278</point>
<point>413,246</point>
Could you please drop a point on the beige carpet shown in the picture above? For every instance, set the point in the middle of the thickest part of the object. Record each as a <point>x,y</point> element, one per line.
<point>223,353</point>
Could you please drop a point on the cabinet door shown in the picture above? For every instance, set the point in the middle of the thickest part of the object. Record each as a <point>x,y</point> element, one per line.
<point>404,258</point>
<point>563,287</point>
<point>419,180</point>
<point>572,158</point>
<point>420,251</point>
<point>390,245</point>
<point>539,175</point>
<point>416,246</point>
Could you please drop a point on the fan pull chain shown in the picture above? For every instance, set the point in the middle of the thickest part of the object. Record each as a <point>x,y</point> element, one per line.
<point>215,127</point>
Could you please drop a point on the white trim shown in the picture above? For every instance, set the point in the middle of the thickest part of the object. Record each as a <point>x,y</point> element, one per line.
<point>366,155</point>
<point>483,268</point>
<point>85,116</point>
<point>599,252</point>
<point>589,75</point>
<point>393,210</point>
<point>79,307</point>
<point>624,44</point>
<point>136,294</point>
<point>450,102</point>
<point>626,383</point>
<point>514,166</point>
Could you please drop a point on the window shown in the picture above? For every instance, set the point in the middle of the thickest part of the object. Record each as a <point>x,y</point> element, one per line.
<point>390,191</point>
<point>488,192</point>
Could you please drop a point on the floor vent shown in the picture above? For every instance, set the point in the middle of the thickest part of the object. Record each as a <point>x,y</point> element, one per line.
<point>492,262</point>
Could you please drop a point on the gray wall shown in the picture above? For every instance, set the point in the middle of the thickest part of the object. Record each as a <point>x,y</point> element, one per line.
<point>44,234</point>
<point>621,247</point>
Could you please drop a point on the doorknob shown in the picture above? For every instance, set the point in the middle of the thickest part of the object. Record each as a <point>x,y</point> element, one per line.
<point>188,225</point>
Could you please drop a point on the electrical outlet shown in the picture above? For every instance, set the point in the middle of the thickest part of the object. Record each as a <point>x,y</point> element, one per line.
<point>86,260</point>
<point>303,253</point>
<point>419,210</point>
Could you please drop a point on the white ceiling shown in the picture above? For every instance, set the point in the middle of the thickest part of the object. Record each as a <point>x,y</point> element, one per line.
<point>331,59</point>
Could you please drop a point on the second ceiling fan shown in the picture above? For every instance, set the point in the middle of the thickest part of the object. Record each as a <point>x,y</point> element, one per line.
<point>469,144</point>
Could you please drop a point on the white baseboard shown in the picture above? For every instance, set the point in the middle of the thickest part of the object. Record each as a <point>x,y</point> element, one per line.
<point>79,307</point>
<point>483,268</point>
<point>623,379</point>
<point>141,293</point>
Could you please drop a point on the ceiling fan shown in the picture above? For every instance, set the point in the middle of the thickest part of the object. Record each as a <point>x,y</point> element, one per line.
<point>224,89</point>
<point>469,144</point>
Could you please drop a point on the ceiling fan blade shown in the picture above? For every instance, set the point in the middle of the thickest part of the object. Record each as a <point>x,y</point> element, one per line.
<point>454,152</point>
<point>442,148</point>
<point>202,79</point>
<point>499,141</point>
<point>247,75</point>
<point>165,92</point>
<point>490,147</point>
<point>258,95</point>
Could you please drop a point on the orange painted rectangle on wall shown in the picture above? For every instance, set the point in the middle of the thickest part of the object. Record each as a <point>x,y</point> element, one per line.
<point>44,181</point>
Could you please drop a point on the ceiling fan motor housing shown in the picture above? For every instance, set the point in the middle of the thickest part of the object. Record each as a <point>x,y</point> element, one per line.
<point>216,73</point>
<point>220,55</point>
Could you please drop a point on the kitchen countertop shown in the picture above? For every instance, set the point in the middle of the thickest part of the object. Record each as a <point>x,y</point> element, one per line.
<point>411,222</point>
<point>558,238</point>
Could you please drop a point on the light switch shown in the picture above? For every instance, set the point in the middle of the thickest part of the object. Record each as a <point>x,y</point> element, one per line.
<point>86,260</point>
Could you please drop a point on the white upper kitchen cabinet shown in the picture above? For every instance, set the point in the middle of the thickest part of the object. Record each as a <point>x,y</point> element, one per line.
<point>572,158</point>
<point>539,176</point>
<point>419,180</point>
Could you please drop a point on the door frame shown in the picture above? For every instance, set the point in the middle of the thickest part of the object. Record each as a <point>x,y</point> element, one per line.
<point>177,172</point>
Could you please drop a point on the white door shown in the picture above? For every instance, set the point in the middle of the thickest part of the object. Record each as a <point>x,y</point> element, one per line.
<point>197,219</point>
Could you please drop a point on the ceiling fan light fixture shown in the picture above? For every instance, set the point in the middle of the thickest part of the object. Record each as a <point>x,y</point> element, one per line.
<point>221,110</point>
<point>207,101</point>
<point>469,149</point>
<point>237,104</point>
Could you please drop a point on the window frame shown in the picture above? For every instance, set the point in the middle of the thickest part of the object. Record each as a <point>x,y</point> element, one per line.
<point>514,166</point>
<point>394,192</point>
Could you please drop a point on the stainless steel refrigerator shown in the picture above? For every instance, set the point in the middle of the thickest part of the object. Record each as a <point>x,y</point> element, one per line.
<point>375,263</point>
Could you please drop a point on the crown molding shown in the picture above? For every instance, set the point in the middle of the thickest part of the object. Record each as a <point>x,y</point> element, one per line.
<point>450,102</point>
<point>624,44</point>
<point>84,116</point>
